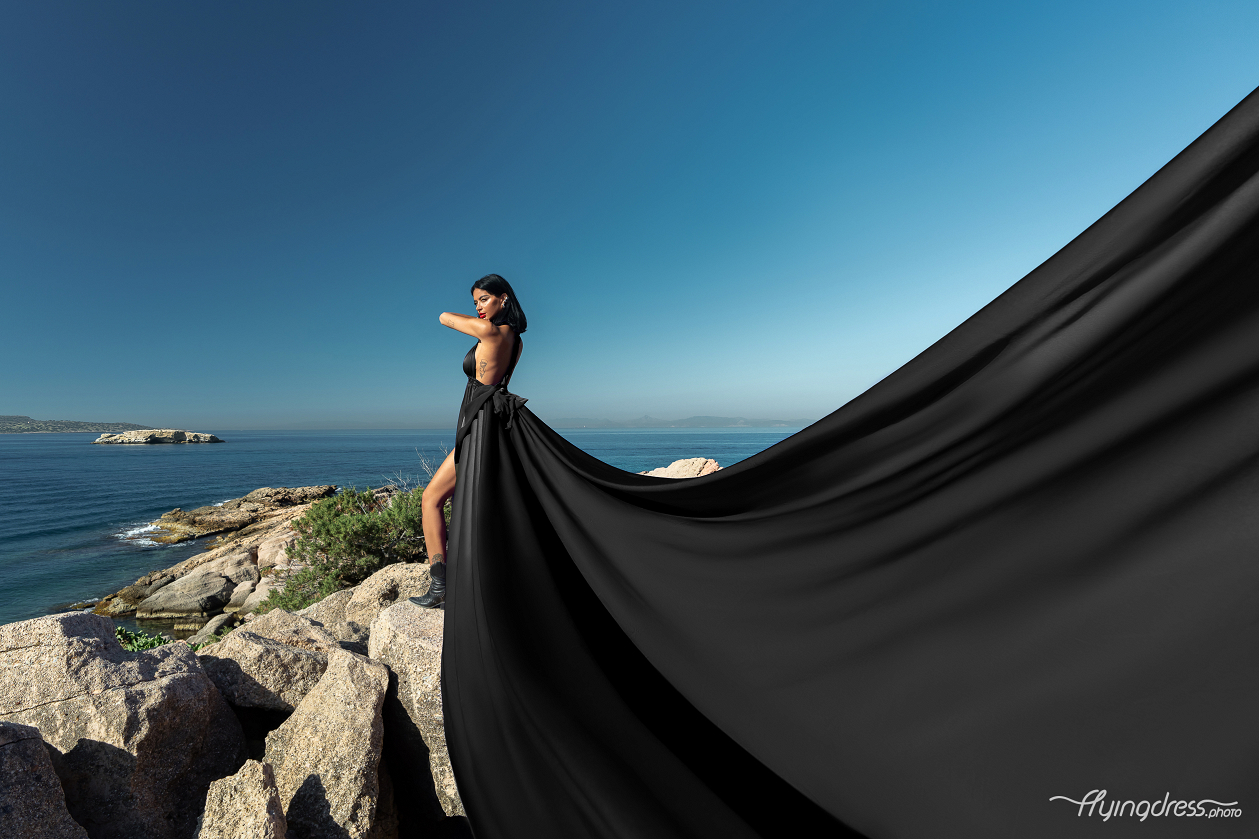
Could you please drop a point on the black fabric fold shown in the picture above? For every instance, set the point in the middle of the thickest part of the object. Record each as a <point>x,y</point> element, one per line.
<point>1025,565</point>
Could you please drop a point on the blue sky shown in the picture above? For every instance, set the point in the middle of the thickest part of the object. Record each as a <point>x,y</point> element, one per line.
<point>249,214</point>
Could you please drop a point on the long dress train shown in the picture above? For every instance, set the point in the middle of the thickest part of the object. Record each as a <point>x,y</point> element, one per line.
<point>1021,570</point>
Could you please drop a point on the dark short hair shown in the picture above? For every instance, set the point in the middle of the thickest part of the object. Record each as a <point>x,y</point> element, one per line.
<point>512,314</point>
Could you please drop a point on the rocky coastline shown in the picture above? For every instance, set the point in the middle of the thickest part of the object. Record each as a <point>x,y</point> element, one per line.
<point>321,722</point>
<point>22,424</point>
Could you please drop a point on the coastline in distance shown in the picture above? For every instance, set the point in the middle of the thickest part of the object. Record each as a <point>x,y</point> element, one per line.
<point>26,425</point>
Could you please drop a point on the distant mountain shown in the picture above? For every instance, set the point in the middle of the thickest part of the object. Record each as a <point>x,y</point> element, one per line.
<point>689,422</point>
<point>26,425</point>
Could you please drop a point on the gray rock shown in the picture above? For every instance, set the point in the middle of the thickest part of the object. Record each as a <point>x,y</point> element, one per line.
<point>380,591</point>
<point>212,626</point>
<point>200,593</point>
<point>240,596</point>
<point>260,593</point>
<point>296,630</point>
<point>271,552</point>
<point>240,566</point>
<point>289,496</point>
<point>327,754</point>
<point>136,738</point>
<point>408,639</point>
<point>32,803</point>
<point>330,613</point>
<point>244,806</point>
<point>255,672</point>
<point>273,662</point>
<point>125,602</point>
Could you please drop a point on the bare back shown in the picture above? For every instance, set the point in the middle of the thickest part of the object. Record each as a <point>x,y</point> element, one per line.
<point>493,355</point>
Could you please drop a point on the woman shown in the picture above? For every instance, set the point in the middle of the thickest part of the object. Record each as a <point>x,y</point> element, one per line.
<point>497,326</point>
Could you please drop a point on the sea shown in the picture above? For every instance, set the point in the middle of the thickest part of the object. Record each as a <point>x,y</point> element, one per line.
<point>74,517</point>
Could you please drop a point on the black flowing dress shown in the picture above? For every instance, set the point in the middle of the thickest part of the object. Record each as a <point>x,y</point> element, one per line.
<point>1011,586</point>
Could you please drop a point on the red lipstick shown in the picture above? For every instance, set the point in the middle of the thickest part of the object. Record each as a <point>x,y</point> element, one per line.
<point>481,315</point>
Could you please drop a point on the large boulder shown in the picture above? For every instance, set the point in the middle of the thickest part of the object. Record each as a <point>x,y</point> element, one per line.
<point>136,738</point>
<point>240,596</point>
<point>272,663</point>
<point>294,630</point>
<point>408,639</point>
<point>381,590</point>
<point>327,754</point>
<point>202,593</point>
<point>244,806</point>
<point>32,803</point>
<point>330,613</point>
<point>239,566</point>
<point>126,601</point>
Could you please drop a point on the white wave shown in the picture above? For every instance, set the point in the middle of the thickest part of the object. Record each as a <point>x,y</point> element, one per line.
<point>135,535</point>
<point>136,531</point>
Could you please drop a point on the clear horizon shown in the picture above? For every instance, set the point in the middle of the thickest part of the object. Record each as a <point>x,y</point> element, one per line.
<point>366,426</point>
<point>249,216</point>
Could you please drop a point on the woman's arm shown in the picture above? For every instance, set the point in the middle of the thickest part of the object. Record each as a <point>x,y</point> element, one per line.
<point>480,329</point>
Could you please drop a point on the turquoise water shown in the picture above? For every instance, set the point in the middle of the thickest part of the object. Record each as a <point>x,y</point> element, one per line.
<point>72,514</point>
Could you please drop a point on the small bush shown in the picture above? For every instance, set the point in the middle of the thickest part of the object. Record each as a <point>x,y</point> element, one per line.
<point>307,586</point>
<point>347,538</point>
<point>137,641</point>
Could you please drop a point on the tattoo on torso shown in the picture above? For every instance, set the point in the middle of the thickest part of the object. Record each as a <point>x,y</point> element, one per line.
<point>482,376</point>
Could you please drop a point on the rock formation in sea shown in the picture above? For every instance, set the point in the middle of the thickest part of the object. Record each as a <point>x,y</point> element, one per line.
<point>691,467</point>
<point>157,435</point>
<point>264,507</point>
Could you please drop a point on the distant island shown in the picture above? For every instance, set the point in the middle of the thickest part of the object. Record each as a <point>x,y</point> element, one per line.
<point>26,425</point>
<point>689,422</point>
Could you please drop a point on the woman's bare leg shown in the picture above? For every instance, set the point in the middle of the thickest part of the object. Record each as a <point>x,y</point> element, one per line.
<point>439,489</point>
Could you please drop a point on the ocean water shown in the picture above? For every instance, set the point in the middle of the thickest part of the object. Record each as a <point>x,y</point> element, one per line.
<point>73,516</point>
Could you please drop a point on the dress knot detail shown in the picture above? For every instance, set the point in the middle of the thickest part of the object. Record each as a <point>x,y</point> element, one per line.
<point>506,404</point>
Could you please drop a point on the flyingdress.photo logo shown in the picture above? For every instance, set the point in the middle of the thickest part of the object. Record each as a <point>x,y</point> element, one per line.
<point>1096,804</point>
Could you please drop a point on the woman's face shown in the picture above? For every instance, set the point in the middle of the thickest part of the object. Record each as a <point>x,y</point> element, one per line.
<point>487,305</point>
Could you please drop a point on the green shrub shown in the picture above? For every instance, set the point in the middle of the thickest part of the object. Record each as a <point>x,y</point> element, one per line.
<point>347,538</point>
<point>351,536</point>
<point>310,585</point>
<point>137,641</point>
